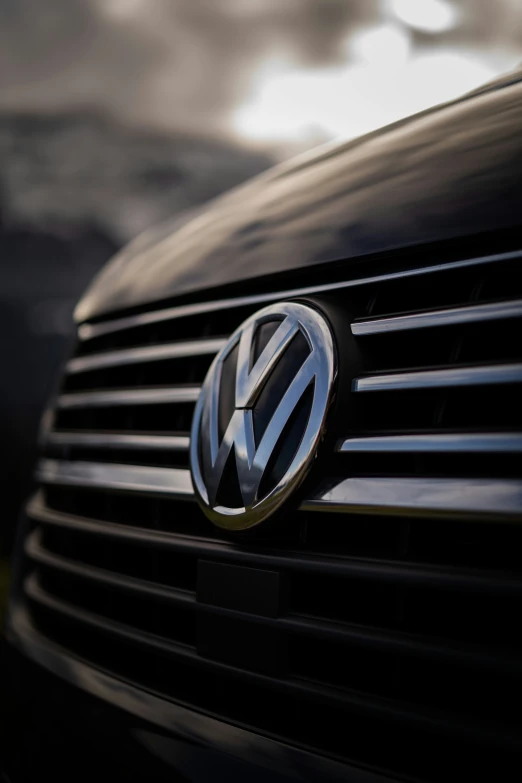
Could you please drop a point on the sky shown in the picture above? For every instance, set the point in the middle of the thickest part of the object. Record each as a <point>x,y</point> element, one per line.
<point>282,75</point>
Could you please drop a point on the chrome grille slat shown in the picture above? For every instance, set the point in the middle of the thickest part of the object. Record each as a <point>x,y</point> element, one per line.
<point>131,478</point>
<point>432,318</point>
<point>389,495</point>
<point>151,353</point>
<point>100,399</point>
<point>111,440</point>
<point>429,443</point>
<point>446,377</point>
<point>462,442</point>
<point>423,497</point>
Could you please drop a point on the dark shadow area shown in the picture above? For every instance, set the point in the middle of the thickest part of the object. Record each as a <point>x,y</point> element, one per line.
<point>42,273</point>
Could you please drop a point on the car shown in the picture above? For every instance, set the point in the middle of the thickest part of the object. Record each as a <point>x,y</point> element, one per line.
<point>277,532</point>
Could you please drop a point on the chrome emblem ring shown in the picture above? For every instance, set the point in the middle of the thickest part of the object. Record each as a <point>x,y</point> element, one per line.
<point>261,414</point>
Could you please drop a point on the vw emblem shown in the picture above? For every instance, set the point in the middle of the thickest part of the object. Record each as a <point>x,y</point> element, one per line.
<point>261,414</point>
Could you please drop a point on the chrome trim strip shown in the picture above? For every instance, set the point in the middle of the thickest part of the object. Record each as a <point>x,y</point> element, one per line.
<point>87,331</point>
<point>451,442</point>
<point>101,399</point>
<point>431,379</point>
<point>36,551</point>
<point>109,440</point>
<point>130,478</point>
<point>150,353</point>
<point>195,728</point>
<point>454,315</point>
<point>461,497</point>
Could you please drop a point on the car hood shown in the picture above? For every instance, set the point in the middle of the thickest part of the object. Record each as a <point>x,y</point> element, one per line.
<point>449,172</point>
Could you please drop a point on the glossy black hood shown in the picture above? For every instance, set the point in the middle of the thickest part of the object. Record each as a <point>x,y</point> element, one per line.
<point>450,172</point>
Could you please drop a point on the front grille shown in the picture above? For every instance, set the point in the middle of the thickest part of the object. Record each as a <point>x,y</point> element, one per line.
<point>394,641</point>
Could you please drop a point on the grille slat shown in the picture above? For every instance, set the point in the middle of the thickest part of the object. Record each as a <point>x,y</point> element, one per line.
<point>113,440</point>
<point>444,377</point>
<point>151,353</point>
<point>171,481</point>
<point>395,614</point>
<point>424,497</point>
<point>460,442</point>
<point>34,590</point>
<point>370,495</point>
<point>438,318</point>
<point>128,397</point>
<point>38,553</point>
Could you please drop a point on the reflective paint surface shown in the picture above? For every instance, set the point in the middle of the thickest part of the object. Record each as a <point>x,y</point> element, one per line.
<point>450,172</point>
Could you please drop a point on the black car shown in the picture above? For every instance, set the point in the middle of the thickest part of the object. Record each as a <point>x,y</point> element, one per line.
<point>277,534</point>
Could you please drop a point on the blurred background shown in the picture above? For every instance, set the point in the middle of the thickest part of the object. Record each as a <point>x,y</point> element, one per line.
<point>118,115</point>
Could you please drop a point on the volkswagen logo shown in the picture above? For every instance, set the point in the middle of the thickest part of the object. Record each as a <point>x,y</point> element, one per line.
<point>261,414</point>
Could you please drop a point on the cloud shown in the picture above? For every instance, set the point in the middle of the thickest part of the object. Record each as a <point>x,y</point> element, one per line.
<point>182,64</point>
<point>191,64</point>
